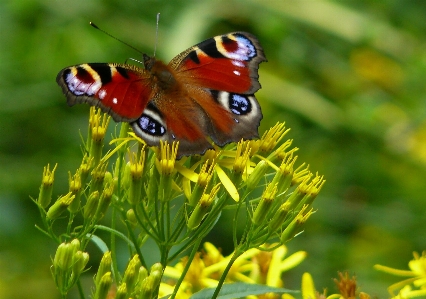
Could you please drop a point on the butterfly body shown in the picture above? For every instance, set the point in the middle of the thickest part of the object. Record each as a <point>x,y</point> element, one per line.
<point>206,92</point>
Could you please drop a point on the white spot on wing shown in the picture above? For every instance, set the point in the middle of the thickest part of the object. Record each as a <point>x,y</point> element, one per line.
<point>237,73</point>
<point>102,94</point>
<point>237,63</point>
<point>114,101</point>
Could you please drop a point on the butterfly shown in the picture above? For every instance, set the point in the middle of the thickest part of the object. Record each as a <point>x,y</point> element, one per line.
<point>204,94</point>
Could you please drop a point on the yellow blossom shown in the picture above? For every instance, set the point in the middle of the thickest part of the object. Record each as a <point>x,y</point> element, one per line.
<point>417,278</point>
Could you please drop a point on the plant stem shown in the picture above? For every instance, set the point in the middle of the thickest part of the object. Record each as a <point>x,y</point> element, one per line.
<point>237,253</point>
<point>185,270</point>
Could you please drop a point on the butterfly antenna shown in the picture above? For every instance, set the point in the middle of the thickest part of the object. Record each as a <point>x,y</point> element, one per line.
<point>156,34</point>
<point>117,39</point>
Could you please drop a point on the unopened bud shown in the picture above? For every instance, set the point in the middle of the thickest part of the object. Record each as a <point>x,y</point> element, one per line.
<point>104,267</point>
<point>46,188</point>
<point>91,205</point>
<point>103,286</point>
<point>60,206</point>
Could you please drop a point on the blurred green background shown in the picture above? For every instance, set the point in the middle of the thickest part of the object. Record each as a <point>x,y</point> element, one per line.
<point>348,77</point>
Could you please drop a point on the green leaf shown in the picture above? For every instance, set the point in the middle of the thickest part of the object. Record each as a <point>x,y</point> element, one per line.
<point>98,242</point>
<point>238,290</point>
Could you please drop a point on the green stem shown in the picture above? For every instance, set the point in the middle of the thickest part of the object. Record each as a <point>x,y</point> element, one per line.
<point>116,274</point>
<point>80,289</point>
<point>140,222</point>
<point>134,241</point>
<point>237,254</point>
<point>185,270</point>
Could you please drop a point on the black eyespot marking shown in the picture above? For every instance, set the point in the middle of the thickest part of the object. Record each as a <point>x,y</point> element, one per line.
<point>150,126</point>
<point>103,70</point>
<point>239,104</point>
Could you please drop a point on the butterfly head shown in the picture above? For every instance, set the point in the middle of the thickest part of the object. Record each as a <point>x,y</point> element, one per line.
<point>148,61</point>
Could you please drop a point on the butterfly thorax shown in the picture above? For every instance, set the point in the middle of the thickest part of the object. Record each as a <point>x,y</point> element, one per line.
<point>163,76</point>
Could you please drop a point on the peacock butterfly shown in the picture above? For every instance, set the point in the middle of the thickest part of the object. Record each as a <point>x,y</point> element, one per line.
<point>206,92</point>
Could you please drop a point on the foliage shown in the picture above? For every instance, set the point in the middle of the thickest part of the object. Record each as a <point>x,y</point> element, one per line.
<point>346,76</point>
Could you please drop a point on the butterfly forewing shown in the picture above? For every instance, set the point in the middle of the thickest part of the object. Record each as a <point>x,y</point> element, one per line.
<point>119,89</point>
<point>227,62</point>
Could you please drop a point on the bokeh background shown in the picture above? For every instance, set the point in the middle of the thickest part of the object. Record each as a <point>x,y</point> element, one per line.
<point>348,77</point>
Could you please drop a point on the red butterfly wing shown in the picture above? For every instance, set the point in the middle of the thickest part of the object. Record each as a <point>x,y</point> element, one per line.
<point>221,75</point>
<point>206,91</point>
<point>123,91</point>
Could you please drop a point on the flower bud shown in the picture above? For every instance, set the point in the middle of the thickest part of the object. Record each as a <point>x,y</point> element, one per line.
<point>280,217</point>
<point>60,206</point>
<point>202,207</point>
<point>156,277</point>
<point>257,174</point>
<point>152,190</point>
<point>63,256</point>
<point>131,218</point>
<point>242,158</point>
<point>98,124</point>
<point>148,288</point>
<point>204,177</point>
<point>167,157</point>
<point>105,200</point>
<point>290,231</point>
<point>271,138</point>
<point>46,188</point>
<point>142,274</point>
<point>294,227</point>
<point>121,291</point>
<point>75,189</point>
<point>310,190</point>
<point>104,267</point>
<point>295,198</point>
<point>265,204</point>
<point>135,189</point>
<point>75,243</point>
<point>91,205</point>
<point>131,273</point>
<point>125,177</point>
<point>157,267</point>
<point>80,261</point>
<point>98,176</point>
<point>103,286</point>
<point>284,174</point>
<point>68,264</point>
<point>85,167</point>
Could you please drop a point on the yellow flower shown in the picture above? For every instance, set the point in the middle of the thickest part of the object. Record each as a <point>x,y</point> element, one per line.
<point>417,274</point>
<point>254,266</point>
<point>346,285</point>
